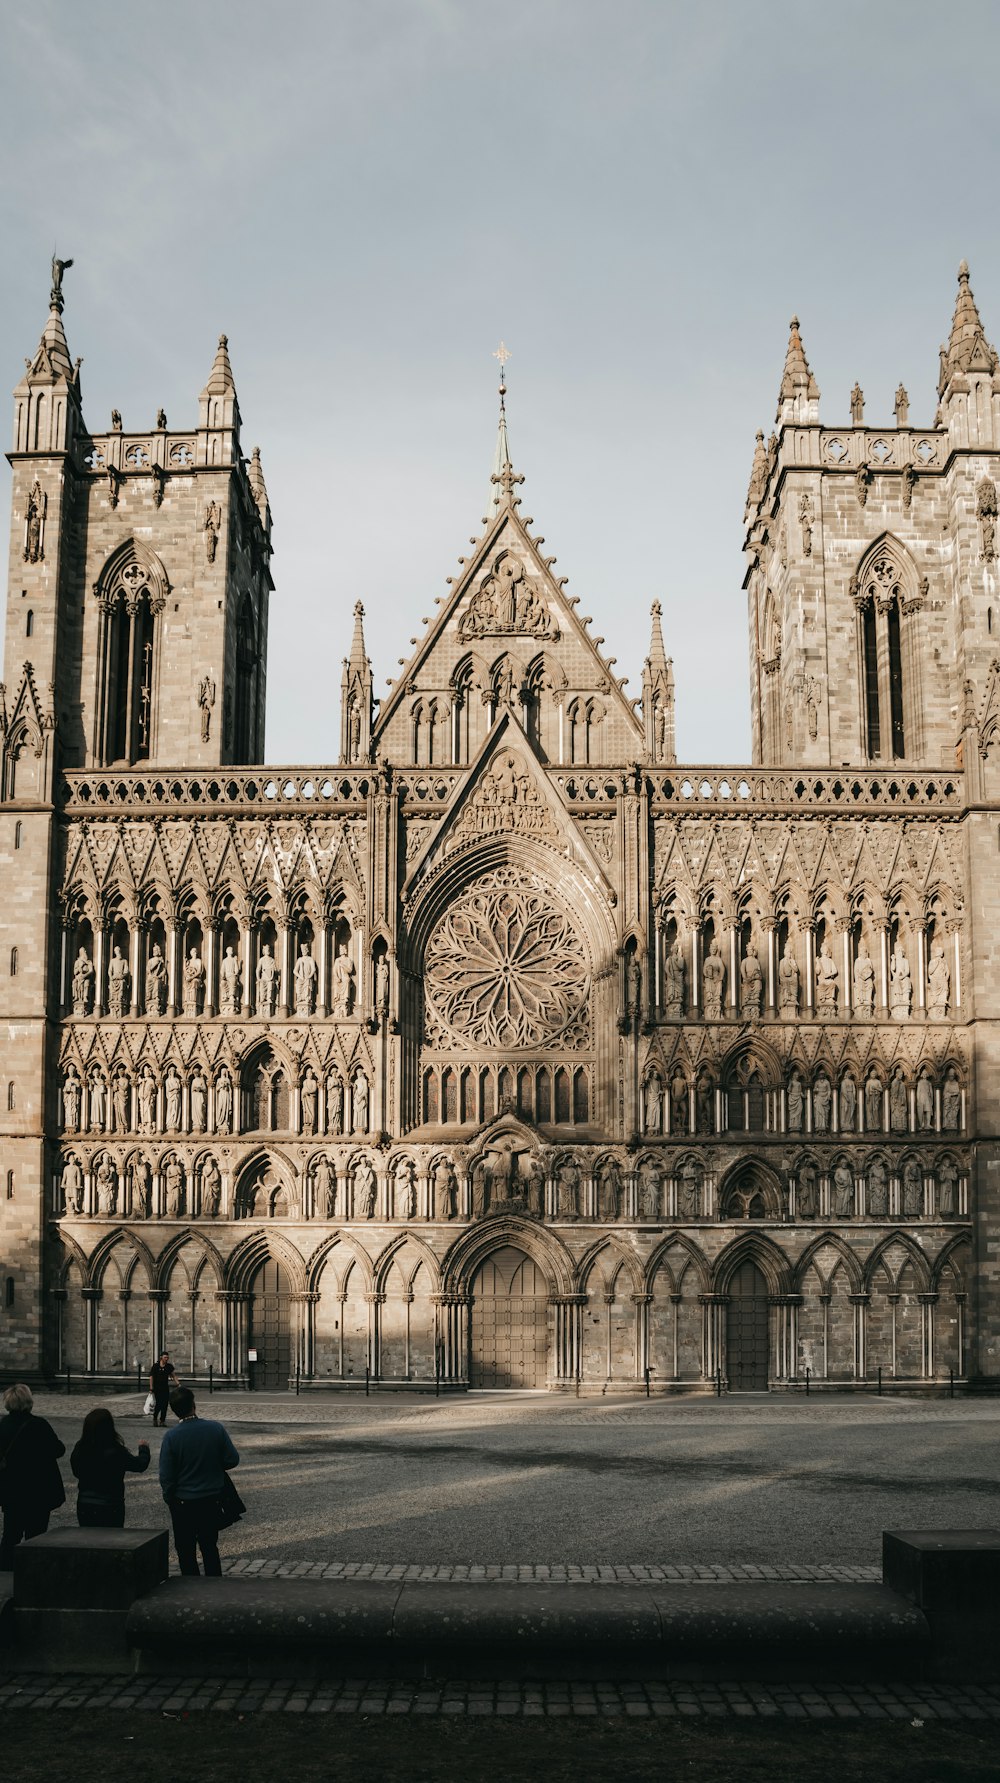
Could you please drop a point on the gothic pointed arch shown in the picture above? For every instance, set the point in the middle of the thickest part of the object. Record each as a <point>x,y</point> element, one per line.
<point>257,1249</point>
<point>474,1247</point>
<point>753,1248</point>
<point>248,741</point>
<point>888,596</point>
<point>131,593</point>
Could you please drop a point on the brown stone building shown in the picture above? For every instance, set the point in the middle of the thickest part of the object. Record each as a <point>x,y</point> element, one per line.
<point>505,1048</point>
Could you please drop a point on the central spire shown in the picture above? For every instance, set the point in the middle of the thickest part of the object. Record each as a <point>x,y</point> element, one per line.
<point>503,479</point>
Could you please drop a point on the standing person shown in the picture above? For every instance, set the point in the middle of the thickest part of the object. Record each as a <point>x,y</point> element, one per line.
<point>195,1457</point>
<point>100,1462</point>
<point>31,1485</point>
<point>162,1381</point>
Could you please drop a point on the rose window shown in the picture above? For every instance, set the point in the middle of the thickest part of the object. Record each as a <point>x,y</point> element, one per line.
<point>505,968</point>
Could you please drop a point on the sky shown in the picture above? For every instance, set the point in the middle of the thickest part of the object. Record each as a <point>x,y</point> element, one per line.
<point>367,195</point>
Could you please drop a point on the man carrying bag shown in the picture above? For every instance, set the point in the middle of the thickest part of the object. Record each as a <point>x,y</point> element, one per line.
<point>195,1458</point>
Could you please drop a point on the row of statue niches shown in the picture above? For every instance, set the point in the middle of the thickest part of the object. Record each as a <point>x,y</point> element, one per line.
<point>116,998</point>
<point>823,1105</point>
<point>201,1105</point>
<point>170,1188</point>
<point>828,1000</point>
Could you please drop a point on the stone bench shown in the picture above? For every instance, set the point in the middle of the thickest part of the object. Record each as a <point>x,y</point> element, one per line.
<point>73,1589</point>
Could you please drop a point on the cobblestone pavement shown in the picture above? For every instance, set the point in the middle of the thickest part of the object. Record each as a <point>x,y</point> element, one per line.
<point>550,1575</point>
<point>533,1479</point>
<point>359,1696</point>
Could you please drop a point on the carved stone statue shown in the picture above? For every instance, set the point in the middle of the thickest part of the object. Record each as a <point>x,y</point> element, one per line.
<point>83,983</point>
<point>673,983</point>
<point>788,982</point>
<point>568,1190</point>
<point>913,1191</point>
<point>194,983</point>
<point>445,1191</point>
<point>310,1100</point>
<point>72,1186</point>
<point>267,982</point>
<point>342,976</point>
<point>199,1103</point>
<point>713,979</point>
<point>901,985</point>
<point>206,700</point>
<point>479,1189</point>
<point>364,1190</point>
<point>119,1101</point>
<point>796,1103</point>
<point>156,981</point>
<point>359,1102</point>
<point>230,984</point>
<point>334,1103</point>
<point>610,1191</point>
<point>71,1101</point>
<point>864,982</point>
<point>947,1179</point>
<point>827,982</point>
<point>822,1100</point>
<point>951,1103</point>
<point>118,984</point>
<point>806,1193</point>
<point>650,1190</point>
<point>223,1103</point>
<point>848,1104</point>
<point>107,1188</point>
<point>843,1189</point>
<point>382,986</point>
<point>679,1117</point>
<point>899,1103</point>
<point>878,1191</point>
<point>305,981</point>
<point>146,1098</point>
<point>406,1191</point>
<point>752,982</point>
<point>633,984</point>
<point>326,1189</point>
<point>535,1187</point>
<point>704,1101</point>
<point>938,983</point>
<point>141,1188</point>
<point>172,1100</point>
<point>653,1103</point>
<point>98,1104</point>
<point>689,1191</point>
<point>925,1103</point>
<point>173,1178</point>
<point>34,524</point>
<point>211,1189</point>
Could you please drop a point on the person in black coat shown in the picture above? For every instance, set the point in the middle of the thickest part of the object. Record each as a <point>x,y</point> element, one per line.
<point>100,1462</point>
<point>31,1485</point>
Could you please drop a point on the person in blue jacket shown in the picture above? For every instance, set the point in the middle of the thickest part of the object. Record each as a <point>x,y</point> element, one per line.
<point>195,1457</point>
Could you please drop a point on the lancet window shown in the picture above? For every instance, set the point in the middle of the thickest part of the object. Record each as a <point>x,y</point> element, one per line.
<point>887,604</point>
<point>132,594</point>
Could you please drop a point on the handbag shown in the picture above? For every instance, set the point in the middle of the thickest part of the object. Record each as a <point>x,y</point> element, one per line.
<point>150,1405</point>
<point>231,1506</point>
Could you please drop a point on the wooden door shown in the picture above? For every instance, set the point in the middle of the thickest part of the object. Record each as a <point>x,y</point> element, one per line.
<point>509,1324</point>
<point>747,1331</point>
<point>270,1328</point>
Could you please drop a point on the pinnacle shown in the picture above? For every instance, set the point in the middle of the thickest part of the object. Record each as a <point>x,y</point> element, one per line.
<point>796,379</point>
<point>255,478</point>
<point>758,476</point>
<point>359,656</point>
<point>657,654</point>
<point>967,349</point>
<point>220,378</point>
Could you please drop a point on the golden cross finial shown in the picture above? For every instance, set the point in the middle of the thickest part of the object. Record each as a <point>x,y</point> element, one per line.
<point>503,354</point>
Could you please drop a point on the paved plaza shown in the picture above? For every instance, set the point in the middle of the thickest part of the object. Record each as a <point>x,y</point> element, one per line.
<point>558,1488</point>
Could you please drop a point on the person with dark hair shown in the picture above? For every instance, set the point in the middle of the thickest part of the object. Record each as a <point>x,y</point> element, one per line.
<point>31,1485</point>
<point>195,1457</point>
<point>100,1462</point>
<point>162,1382</point>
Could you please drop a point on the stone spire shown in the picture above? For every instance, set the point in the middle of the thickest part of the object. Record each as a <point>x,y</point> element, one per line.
<point>968,350</point>
<point>356,696</point>
<point>219,412</point>
<point>503,480</point>
<point>258,489</point>
<point>758,477</point>
<point>798,398</point>
<point>42,424</point>
<point>658,695</point>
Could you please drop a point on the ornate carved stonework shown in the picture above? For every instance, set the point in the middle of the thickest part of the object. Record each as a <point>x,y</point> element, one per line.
<point>506,603</point>
<point>506,802</point>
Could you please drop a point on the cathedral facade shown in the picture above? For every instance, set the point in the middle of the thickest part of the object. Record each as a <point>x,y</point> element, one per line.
<point>506,1051</point>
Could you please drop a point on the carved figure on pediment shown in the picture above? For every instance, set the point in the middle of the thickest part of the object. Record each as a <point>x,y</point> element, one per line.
<point>310,1100</point>
<point>364,1190</point>
<point>751,981</point>
<point>951,1104</point>
<point>118,984</point>
<point>938,983</point>
<point>71,1101</point>
<point>788,982</point>
<point>173,1180</point>
<point>610,1187</point>
<point>653,1103</point>
<point>406,1190</point>
<point>506,802</point>
<point>864,982</point>
<point>334,1103</point>
<point>325,1181</point>
<point>343,982</point>
<point>119,1101</point>
<point>382,985</point>
<point>925,1103</point>
<point>704,1099</point>
<point>71,1184</point>
<point>83,982</point>
<point>230,984</point>
<point>194,983</point>
<point>479,1189</point>
<point>140,1188</point>
<point>713,980</point>
<point>107,1189</point>
<point>822,1102</point>
<point>650,1190</point>
<point>679,1103</point>
<point>156,981</point>
<point>98,1103</point>
<point>689,1194</point>
<point>878,1191</point>
<point>901,985</point>
<point>211,1189</point>
<point>568,1190</point>
<point>306,972</point>
<point>874,1104</point>
<point>796,1103</point>
<point>947,1179</point>
<point>806,1193</point>
<point>843,1190</point>
<point>172,1100</point>
<point>445,1191</point>
<point>913,1191</point>
<point>673,983</point>
<point>827,982</point>
<point>359,1102</point>
<point>899,1102</point>
<point>267,982</point>
<point>848,1104</point>
<point>505,602</point>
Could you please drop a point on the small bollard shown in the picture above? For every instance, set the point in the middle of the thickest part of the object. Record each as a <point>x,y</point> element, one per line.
<point>880,1380</point>
<point>951,1383</point>
<point>808,1373</point>
<point>718,1383</point>
<point>367,1379</point>
<point>647,1383</point>
<point>67,1380</point>
<point>211,1387</point>
<point>296,1380</point>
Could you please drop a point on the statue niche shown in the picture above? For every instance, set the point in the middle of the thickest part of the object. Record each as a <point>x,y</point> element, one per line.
<point>266,1101</point>
<point>505,604</point>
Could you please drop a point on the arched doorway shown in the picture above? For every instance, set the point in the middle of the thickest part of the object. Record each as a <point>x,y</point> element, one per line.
<point>270,1327</point>
<point>509,1324</point>
<point>747,1331</point>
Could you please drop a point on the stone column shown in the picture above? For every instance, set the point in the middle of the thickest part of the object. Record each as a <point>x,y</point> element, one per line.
<point>323,965</point>
<point>846,968</point>
<point>453,1335</point>
<point>860,1305</point>
<point>136,963</point>
<point>641,1302</point>
<point>809,975</point>
<point>927,1303</point>
<point>881,928</point>
<point>375,1301</point>
<point>713,1342</point>
<point>211,969</point>
<point>91,1298</point>
<point>733,999</point>
<point>568,1335</point>
<point>694,1000</point>
<point>284,941</point>
<point>158,1298</point>
<point>170,940</point>
<point>920,929</point>
<point>249,1000</point>
<point>100,966</point>
<point>770,928</point>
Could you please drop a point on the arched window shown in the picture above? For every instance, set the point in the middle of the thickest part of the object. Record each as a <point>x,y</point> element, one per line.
<point>10,1185</point>
<point>13,962</point>
<point>11,1096</point>
<point>246,742</point>
<point>132,593</point>
<point>29,624</point>
<point>18,831</point>
<point>8,1293</point>
<point>887,604</point>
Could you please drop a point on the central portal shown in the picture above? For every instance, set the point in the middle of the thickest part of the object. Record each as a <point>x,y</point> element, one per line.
<point>271,1327</point>
<point>510,1320</point>
<point>746,1331</point>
